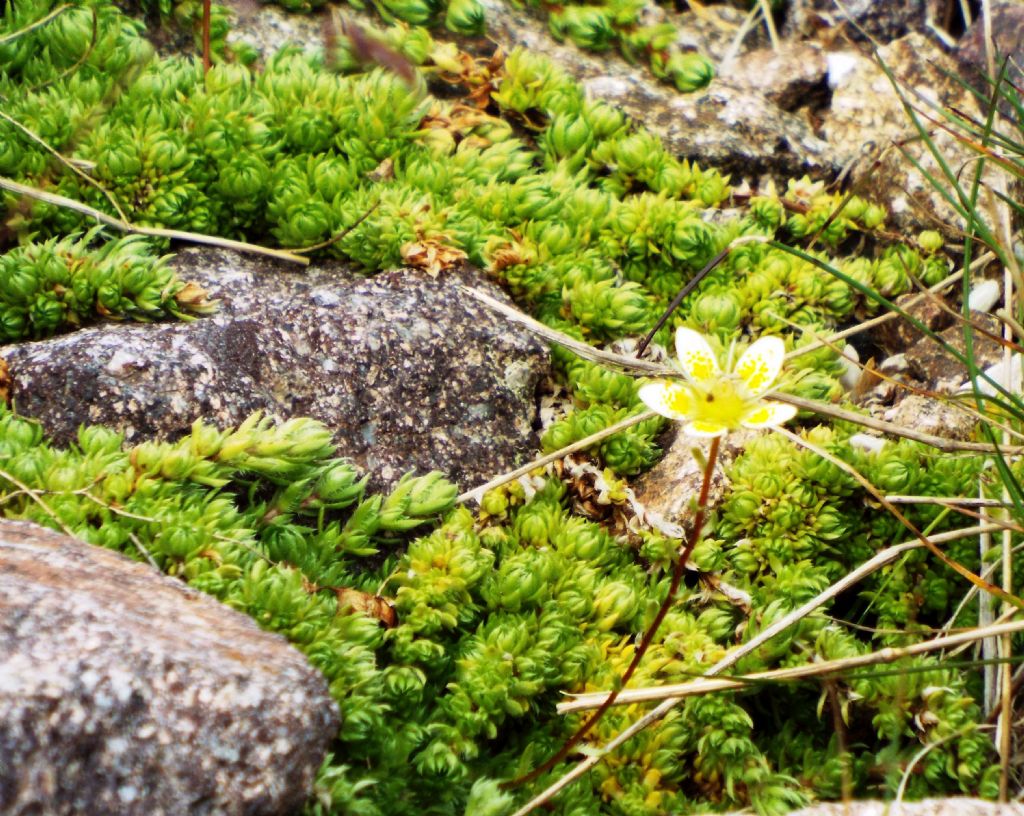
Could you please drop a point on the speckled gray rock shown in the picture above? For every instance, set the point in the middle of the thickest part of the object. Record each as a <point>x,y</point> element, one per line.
<point>409,374</point>
<point>123,691</point>
<point>933,416</point>
<point>728,126</point>
<point>792,76</point>
<point>884,20</point>
<point>671,487</point>
<point>938,370</point>
<point>867,119</point>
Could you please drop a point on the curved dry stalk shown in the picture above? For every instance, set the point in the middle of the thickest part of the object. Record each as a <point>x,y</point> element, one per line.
<point>958,405</point>
<point>692,284</point>
<point>69,164</point>
<point>694,688</point>
<point>737,41</point>
<point>963,647</point>
<point>153,232</point>
<point>142,549</point>
<point>894,808</point>
<point>478,492</point>
<point>960,506</point>
<point>937,442</point>
<point>877,562</point>
<point>34,25</point>
<point>769,22</point>
<point>623,362</point>
<point>974,266</point>
<point>337,236</point>
<point>945,500</point>
<point>37,498</point>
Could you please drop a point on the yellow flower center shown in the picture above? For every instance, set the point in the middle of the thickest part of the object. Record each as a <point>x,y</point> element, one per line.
<point>723,403</point>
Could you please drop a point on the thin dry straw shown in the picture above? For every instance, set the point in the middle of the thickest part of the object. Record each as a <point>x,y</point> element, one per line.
<point>704,686</point>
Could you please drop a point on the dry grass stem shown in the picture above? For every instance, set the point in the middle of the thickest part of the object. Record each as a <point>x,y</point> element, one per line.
<point>945,500</point>
<point>34,495</point>
<point>937,442</point>
<point>960,406</point>
<point>66,162</point>
<point>153,232</point>
<point>37,24</point>
<point>769,22</point>
<point>825,668</point>
<point>477,493</point>
<point>142,549</point>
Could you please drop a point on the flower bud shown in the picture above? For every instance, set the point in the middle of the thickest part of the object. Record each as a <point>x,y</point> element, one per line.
<point>767,212</point>
<point>339,486</point>
<point>717,310</point>
<point>712,189</point>
<point>465,17</point>
<point>615,603</point>
<point>567,134</point>
<point>307,223</point>
<point>414,12</point>
<point>628,453</point>
<point>693,242</point>
<point>495,503</point>
<point>930,240</point>
<point>604,120</point>
<point>689,72</point>
<point>874,216</point>
<point>634,151</point>
<point>894,476</point>
<point>743,506</point>
<point>69,36</point>
<point>46,314</point>
<point>588,26</point>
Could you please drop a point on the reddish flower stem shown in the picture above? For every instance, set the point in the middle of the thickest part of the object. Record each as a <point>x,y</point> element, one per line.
<point>645,642</point>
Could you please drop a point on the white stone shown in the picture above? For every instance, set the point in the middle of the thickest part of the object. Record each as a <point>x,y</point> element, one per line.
<point>840,65</point>
<point>984,296</point>
<point>872,444</point>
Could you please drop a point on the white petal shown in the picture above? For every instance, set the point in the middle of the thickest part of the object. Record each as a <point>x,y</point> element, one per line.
<point>670,399</point>
<point>768,415</point>
<point>760,365</point>
<point>696,357</point>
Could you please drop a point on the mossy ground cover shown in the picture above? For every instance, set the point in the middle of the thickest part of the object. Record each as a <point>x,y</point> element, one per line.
<point>593,227</point>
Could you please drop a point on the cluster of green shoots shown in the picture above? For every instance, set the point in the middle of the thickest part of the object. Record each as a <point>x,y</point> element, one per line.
<point>447,653</point>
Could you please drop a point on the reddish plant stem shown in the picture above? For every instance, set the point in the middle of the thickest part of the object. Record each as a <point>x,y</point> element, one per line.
<point>648,638</point>
<point>206,36</point>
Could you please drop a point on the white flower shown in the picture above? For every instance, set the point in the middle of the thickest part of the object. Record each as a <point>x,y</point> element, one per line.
<point>712,402</point>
